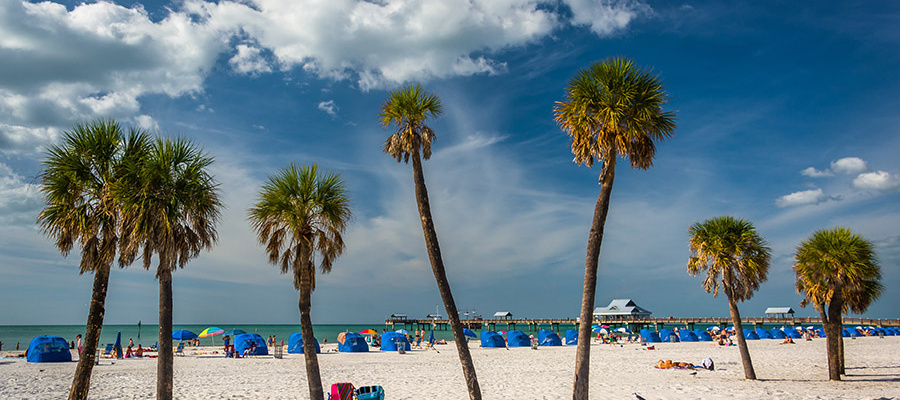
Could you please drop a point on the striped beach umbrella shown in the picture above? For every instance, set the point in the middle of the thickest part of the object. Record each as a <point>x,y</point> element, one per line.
<point>211,331</point>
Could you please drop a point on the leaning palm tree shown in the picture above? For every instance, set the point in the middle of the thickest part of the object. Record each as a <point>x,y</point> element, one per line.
<point>736,259</point>
<point>408,108</point>
<point>299,214</point>
<point>77,182</point>
<point>611,109</point>
<point>837,271</point>
<point>171,206</point>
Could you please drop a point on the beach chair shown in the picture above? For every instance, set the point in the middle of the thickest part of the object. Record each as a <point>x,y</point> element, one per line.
<point>341,391</point>
<point>107,353</point>
<point>370,393</point>
<point>180,350</point>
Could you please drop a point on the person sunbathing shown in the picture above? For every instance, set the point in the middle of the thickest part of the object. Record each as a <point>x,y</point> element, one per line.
<point>788,340</point>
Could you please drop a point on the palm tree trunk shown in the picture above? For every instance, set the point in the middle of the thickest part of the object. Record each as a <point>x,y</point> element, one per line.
<point>313,376</point>
<point>440,275</point>
<point>835,351</point>
<point>82,380</point>
<point>164,365</point>
<point>830,346</point>
<point>595,240</point>
<point>749,373</point>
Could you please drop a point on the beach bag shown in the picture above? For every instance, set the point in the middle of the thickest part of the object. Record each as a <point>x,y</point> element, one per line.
<point>341,391</point>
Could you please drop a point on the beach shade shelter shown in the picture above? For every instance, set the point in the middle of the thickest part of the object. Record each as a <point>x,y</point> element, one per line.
<point>703,335</point>
<point>353,343</point>
<point>468,332</point>
<point>491,339</point>
<point>392,341</point>
<point>891,331</point>
<point>49,349</point>
<point>242,342</point>
<point>649,336</point>
<point>750,334</point>
<point>820,331</point>
<point>295,344</point>
<point>777,333</point>
<point>571,337</point>
<point>668,336</point>
<point>183,334</point>
<point>794,334</point>
<point>517,339</point>
<point>688,336</point>
<point>234,332</point>
<point>763,334</point>
<point>548,338</point>
<point>402,331</point>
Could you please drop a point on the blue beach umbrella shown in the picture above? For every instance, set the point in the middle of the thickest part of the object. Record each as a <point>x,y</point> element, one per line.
<point>119,345</point>
<point>402,331</point>
<point>466,331</point>
<point>183,334</point>
<point>234,332</point>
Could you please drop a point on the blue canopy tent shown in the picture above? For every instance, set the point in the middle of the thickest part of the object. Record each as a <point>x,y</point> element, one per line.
<point>571,337</point>
<point>491,339</point>
<point>548,338</point>
<point>891,331</point>
<point>668,336</point>
<point>749,334</point>
<point>687,335</point>
<point>295,344</point>
<point>794,334</point>
<point>763,334</point>
<point>821,332</point>
<point>353,343</point>
<point>242,342</point>
<point>703,335</point>
<point>517,339</point>
<point>391,341</point>
<point>49,349</point>
<point>777,333</point>
<point>650,336</point>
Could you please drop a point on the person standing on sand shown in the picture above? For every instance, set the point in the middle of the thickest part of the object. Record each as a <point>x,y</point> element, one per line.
<point>130,342</point>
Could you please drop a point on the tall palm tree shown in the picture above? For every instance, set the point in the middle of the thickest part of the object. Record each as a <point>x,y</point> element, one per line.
<point>611,109</point>
<point>837,271</point>
<point>171,206</point>
<point>301,213</point>
<point>408,108</point>
<point>77,181</point>
<point>736,259</point>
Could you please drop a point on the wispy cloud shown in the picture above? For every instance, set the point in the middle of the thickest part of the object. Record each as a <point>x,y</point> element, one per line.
<point>329,107</point>
<point>814,173</point>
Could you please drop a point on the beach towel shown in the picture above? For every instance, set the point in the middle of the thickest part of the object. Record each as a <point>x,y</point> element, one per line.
<point>341,391</point>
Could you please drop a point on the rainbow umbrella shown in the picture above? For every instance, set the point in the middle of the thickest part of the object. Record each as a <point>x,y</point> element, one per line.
<point>368,332</point>
<point>211,331</point>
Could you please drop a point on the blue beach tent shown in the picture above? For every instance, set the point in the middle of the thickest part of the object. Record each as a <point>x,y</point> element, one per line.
<point>391,341</point>
<point>777,333</point>
<point>517,339</point>
<point>548,338</point>
<point>763,334</point>
<point>688,336</point>
<point>794,334</point>
<point>668,336</point>
<point>353,343</point>
<point>571,337</point>
<point>703,335</point>
<point>295,344</point>
<point>491,339</point>
<point>49,349</point>
<point>891,331</point>
<point>649,336</point>
<point>242,342</point>
<point>749,334</point>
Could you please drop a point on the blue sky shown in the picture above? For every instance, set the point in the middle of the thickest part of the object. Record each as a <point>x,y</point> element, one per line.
<point>787,116</point>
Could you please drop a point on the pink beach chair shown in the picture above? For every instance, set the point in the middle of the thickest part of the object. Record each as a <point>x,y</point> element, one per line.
<point>341,391</point>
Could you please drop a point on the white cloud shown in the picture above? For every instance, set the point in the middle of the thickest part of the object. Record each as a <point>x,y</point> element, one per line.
<point>606,16</point>
<point>328,107</point>
<point>878,180</point>
<point>249,60</point>
<point>814,173</point>
<point>146,122</point>
<point>849,165</point>
<point>20,201</point>
<point>813,196</point>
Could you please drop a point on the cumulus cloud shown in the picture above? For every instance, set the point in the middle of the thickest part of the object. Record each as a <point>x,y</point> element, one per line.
<point>249,60</point>
<point>19,200</point>
<point>814,173</point>
<point>878,180</point>
<point>849,165</point>
<point>328,107</point>
<point>606,17</point>
<point>813,196</point>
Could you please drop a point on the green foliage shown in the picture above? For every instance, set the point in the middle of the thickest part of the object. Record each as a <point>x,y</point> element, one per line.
<point>408,108</point>
<point>731,253</point>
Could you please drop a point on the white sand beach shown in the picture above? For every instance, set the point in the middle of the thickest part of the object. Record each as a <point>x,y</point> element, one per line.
<point>793,372</point>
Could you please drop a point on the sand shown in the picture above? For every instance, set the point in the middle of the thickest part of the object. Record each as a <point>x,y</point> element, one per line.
<point>792,372</point>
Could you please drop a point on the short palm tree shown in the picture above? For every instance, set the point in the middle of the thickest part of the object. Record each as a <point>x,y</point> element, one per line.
<point>408,108</point>
<point>301,214</point>
<point>171,206</point>
<point>734,258</point>
<point>611,109</point>
<point>77,182</point>
<point>837,271</point>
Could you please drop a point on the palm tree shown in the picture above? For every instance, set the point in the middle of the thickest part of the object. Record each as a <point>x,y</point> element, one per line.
<point>611,109</point>
<point>171,206</point>
<point>736,259</point>
<point>408,108</point>
<point>77,182</point>
<point>301,213</point>
<point>837,271</point>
